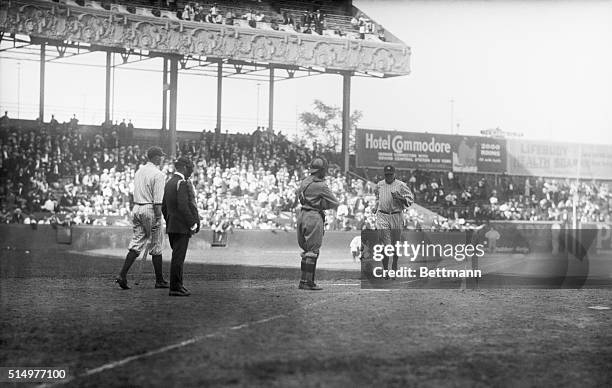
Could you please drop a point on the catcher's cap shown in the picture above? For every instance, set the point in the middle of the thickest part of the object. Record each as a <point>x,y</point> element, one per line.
<point>317,164</point>
<point>184,162</point>
<point>154,151</point>
<point>389,169</point>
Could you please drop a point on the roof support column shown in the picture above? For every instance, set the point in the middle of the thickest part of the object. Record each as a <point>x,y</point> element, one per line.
<point>271,101</point>
<point>165,96</point>
<point>41,99</point>
<point>173,100</point>
<point>107,96</point>
<point>346,119</point>
<point>219,95</point>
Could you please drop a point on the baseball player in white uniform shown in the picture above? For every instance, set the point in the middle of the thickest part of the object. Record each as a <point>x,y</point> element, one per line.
<point>392,196</point>
<point>149,184</point>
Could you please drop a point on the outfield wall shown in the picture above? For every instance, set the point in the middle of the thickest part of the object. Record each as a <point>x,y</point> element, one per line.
<point>86,238</point>
<point>515,237</point>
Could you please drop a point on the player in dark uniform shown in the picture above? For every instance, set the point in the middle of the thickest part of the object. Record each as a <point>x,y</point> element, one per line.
<point>182,220</point>
<point>315,197</point>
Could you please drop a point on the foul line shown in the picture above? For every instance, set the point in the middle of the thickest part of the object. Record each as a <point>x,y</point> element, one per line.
<point>115,364</point>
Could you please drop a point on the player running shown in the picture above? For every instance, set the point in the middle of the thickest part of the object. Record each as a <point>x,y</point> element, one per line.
<point>392,196</point>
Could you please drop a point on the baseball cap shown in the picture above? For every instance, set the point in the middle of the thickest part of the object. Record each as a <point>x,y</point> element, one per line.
<point>154,151</point>
<point>389,169</point>
<point>317,164</point>
<point>183,161</point>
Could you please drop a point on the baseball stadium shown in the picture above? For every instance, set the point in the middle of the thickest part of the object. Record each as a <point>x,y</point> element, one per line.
<point>469,257</point>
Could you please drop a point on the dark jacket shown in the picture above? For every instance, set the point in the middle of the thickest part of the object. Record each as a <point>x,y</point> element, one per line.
<point>179,206</point>
<point>314,194</point>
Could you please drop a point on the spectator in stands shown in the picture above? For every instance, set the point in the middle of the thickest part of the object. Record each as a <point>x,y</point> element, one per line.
<point>307,19</point>
<point>229,18</point>
<point>287,19</point>
<point>362,28</point>
<point>214,10</point>
<point>17,217</point>
<point>381,34</point>
<point>318,20</point>
<point>200,15</point>
<point>4,119</point>
<point>188,12</point>
<point>492,236</point>
<point>250,18</point>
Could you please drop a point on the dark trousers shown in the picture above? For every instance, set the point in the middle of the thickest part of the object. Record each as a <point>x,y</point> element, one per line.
<point>385,262</point>
<point>178,243</point>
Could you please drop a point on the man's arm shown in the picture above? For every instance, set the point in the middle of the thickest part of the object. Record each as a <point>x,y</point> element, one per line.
<point>158,196</point>
<point>192,204</point>
<point>164,208</point>
<point>328,199</point>
<point>404,195</point>
<point>376,195</point>
<point>157,210</point>
<point>182,200</point>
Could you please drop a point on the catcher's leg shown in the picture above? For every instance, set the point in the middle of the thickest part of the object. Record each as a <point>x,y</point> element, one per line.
<point>312,234</point>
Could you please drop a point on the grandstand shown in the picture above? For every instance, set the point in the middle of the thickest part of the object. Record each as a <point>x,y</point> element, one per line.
<point>446,200</point>
<point>66,197</point>
<point>84,173</point>
<point>249,46</point>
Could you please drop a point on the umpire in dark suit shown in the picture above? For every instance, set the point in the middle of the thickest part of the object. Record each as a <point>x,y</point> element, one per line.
<point>182,220</point>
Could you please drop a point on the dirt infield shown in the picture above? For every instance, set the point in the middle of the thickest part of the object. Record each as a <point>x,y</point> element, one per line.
<point>250,326</point>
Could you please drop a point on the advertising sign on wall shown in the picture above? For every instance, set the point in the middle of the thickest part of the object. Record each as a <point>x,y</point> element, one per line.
<point>567,160</point>
<point>411,150</point>
<point>407,150</point>
<point>479,154</point>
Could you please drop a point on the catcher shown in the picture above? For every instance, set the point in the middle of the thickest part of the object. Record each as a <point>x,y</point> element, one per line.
<point>315,197</point>
<point>392,197</point>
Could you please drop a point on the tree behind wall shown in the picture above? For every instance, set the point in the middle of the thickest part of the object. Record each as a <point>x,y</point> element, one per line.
<point>323,126</point>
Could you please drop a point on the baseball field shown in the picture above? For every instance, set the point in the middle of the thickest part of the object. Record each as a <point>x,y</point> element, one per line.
<point>250,326</point>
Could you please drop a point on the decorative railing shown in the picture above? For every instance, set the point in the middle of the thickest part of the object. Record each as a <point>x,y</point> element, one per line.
<point>100,27</point>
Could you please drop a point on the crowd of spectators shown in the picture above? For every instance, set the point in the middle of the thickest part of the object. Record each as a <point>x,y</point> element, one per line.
<point>249,181</point>
<point>310,21</point>
<point>481,197</point>
<point>246,180</point>
<point>49,168</point>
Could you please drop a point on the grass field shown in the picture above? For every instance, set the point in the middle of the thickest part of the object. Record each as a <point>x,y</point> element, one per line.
<point>250,326</point>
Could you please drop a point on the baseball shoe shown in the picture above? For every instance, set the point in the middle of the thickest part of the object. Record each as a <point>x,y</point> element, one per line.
<point>122,283</point>
<point>162,284</point>
<point>179,293</point>
<point>310,286</point>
